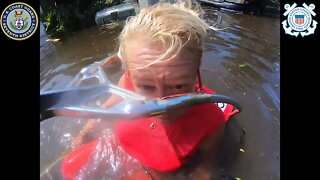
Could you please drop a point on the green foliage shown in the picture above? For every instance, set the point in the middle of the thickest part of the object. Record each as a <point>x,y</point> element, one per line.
<point>64,18</point>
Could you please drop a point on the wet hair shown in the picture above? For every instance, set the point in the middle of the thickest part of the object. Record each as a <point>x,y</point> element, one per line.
<point>172,26</point>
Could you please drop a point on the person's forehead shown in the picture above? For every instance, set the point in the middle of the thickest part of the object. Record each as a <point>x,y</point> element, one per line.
<point>169,74</point>
<point>180,63</point>
<point>142,53</point>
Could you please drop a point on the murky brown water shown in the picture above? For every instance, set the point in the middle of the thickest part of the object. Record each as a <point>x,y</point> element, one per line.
<point>242,61</point>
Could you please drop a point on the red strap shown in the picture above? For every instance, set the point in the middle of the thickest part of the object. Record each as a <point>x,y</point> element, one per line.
<point>200,81</point>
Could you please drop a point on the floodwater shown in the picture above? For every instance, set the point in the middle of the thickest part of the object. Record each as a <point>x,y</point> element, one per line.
<point>242,61</point>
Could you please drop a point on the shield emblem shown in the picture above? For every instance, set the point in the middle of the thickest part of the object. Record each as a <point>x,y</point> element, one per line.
<point>19,23</point>
<point>299,19</point>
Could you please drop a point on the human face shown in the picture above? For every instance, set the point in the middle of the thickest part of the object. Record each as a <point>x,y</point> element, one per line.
<point>175,76</point>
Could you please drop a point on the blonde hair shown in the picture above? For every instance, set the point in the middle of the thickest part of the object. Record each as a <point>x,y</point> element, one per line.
<point>174,26</point>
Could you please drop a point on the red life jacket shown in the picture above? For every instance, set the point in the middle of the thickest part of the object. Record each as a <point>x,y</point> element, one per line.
<point>166,147</point>
<point>163,148</point>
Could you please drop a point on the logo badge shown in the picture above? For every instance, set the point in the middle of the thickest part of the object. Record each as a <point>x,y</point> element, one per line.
<point>19,21</point>
<point>299,20</point>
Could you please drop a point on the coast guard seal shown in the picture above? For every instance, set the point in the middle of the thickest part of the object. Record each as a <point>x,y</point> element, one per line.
<point>19,21</point>
<point>299,20</point>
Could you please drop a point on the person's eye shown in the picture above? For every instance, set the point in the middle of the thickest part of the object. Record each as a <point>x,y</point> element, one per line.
<point>180,86</point>
<point>147,88</point>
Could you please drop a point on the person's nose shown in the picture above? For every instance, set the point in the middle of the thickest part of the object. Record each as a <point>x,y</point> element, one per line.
<point>161,92</point>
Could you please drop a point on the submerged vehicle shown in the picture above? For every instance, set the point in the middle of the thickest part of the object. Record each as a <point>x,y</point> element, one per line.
<point>107,16</point>
<point>258,7</point>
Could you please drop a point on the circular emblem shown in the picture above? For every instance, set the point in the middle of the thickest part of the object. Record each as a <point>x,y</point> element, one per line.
<point>299,19</point>
<point>19,21</point>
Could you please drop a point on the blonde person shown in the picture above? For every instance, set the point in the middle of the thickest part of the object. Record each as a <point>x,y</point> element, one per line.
<point>160,50</point>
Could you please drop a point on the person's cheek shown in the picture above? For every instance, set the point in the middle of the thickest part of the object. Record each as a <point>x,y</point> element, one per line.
<point>188,89</point>
<point>148,95</point>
